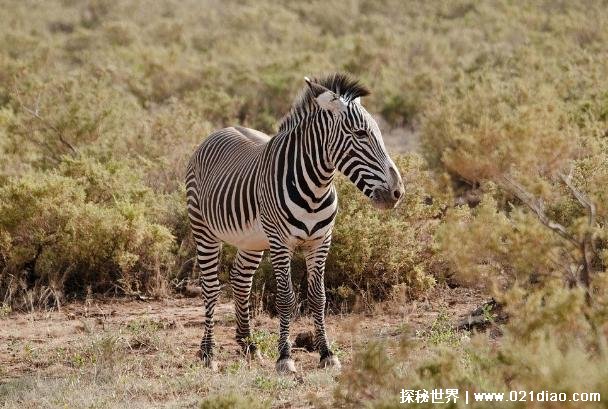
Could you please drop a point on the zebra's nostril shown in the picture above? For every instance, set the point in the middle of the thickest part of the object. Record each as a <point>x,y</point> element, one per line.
<point>397,193</point>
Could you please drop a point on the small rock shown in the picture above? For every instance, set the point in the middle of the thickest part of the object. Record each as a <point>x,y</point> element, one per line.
<point>193,291</point>
<point>483,317</point>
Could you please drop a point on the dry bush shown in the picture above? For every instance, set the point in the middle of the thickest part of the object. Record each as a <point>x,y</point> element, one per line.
<point>373,251</point>
<point>537,163</point>
<point>87,225</point>
<point>553,342</point>
<point>492,131</point>
<point>495,90</point>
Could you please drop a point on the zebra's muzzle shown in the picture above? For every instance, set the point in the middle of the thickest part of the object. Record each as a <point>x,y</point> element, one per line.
<point>387,198</point>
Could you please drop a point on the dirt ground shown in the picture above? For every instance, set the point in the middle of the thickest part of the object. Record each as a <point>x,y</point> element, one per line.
<point>399,139</point>
<point>52,358</point>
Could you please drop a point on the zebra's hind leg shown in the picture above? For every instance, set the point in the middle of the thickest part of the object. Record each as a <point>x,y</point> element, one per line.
<point>315,266</point>
<point>241,278</point>
<point>207,253</point>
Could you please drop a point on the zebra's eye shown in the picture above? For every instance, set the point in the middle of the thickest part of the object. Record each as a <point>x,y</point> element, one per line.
<point>361,133</point>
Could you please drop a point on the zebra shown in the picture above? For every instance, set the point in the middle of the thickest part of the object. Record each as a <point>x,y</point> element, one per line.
<point>260,193</point>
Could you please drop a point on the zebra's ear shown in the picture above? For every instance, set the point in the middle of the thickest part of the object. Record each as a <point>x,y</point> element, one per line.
<point>325,98</point>
<point>316,89</point>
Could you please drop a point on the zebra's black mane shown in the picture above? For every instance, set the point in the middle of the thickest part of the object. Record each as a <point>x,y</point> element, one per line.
<point>343,85</point>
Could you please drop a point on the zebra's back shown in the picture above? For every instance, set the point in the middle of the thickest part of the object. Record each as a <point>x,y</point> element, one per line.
<point>222,181</point>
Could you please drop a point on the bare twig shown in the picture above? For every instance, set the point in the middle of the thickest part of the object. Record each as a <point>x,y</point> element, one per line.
<point>537,206</point>
<point>581,197</point>
<point>586,245</point>
<point>35,113</point>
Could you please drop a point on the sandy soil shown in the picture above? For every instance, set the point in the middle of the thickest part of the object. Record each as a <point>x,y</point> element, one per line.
<point>398,139</point>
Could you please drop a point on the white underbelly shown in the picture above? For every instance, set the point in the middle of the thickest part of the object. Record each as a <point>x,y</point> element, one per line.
<point>252,238</point>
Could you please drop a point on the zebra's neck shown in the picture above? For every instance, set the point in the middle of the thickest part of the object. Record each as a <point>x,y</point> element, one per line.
<point>309,169</point>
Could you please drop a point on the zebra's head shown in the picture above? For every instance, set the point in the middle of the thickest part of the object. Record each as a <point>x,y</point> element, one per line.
<point>354,141</point>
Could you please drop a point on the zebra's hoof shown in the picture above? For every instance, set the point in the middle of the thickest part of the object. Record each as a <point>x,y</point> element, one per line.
<point>330,361</point>
<point>211,364</point>
<point>208,361</point>
<point>286,366</point>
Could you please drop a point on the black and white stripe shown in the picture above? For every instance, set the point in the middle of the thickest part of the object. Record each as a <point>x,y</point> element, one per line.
<point>261,193</point>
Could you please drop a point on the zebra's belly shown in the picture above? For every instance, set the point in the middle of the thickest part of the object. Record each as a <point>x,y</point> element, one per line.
<point>251,238</point>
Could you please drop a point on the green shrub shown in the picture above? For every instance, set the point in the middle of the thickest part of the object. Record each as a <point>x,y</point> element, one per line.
<point>88,225</point>
<point>515,246</point>
<point>143,334</point>
<point>441,331</point>
<point>538,175</point>
<point>492,130</point>
<point>266,342</point>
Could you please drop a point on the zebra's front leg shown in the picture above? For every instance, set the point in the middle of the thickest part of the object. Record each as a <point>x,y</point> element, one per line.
<point>285,302</point>
<point>241,278</point>
<point>315,266</point>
